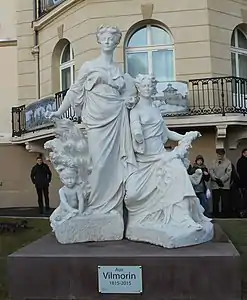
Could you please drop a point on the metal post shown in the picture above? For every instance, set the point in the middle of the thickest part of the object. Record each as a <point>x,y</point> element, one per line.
<point>222,96</point>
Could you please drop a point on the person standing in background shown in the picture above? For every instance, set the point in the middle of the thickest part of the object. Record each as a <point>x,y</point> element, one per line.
<point>41,177</point>
<point>235,193</point>
<point>220,182</point>
<point>242,172</point>
<point>201,188</point>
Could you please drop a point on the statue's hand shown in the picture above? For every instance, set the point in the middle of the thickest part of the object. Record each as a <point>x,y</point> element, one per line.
<point>131,102</point>
<point>48,145</point>
<point>189,137</point>
<point>192,134</point>
<point>75,211</point>
<point>52,115</point>
<point>139,138</point>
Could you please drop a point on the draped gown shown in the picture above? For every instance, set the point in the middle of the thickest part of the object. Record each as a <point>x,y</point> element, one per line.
<point>98,94</point>
<point>160,191</point>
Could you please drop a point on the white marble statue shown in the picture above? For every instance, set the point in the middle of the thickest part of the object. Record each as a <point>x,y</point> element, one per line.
<point>99,97</point>
<point>70,157</point>
<point>121,157</point>
<point>72,197</point>
<point>162,205</point>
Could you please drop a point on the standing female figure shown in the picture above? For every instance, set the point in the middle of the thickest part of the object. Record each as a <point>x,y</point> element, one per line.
<point>97,97</point>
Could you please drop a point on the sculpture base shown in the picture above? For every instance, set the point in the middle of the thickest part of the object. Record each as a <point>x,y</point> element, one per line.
<point>170,236</point>
<point>91,228</point>
<point>48,270</point>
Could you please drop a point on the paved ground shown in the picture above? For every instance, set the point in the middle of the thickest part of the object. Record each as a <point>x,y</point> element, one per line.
<point>29,212</point>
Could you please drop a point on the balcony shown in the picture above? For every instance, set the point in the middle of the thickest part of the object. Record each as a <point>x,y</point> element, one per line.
<point>220,96</point>
<point>42,7</point>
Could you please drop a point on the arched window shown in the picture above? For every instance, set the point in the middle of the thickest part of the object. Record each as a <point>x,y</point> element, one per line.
<point>239,53</point>
<point>150,50</point>
<point>67,67</point>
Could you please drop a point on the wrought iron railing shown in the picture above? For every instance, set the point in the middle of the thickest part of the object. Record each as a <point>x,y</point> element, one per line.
<point>42,7</point>
<point>220,95</point>
<point>35,114</point>
<point>32,117</point>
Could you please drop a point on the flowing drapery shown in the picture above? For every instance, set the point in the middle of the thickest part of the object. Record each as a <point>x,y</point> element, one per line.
<point>98,93</point>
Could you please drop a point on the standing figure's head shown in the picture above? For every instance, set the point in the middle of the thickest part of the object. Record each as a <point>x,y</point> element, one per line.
<point>199,160</point>
<point>220,154</point>
<point>68,177</point>
<point>39,160</point>
<point>146,85</point>
<point>108,37</point>
<point>244,152</point>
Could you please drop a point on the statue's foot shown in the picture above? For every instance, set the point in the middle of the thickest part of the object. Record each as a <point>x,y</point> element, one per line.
<point>205,218</point>
<point>199,227</point>
<point>191,223</point>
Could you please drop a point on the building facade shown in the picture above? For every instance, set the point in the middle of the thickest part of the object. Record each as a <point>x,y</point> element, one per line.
<point>196,49</point>
<point>8,94</point>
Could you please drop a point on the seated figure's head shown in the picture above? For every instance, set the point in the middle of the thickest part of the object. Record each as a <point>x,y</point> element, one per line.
<point>108,37</point>
<point>68,177</point>
<point>146,85</point>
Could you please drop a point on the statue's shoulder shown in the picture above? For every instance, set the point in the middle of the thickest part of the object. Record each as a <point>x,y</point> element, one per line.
<point>118,67</point>
<point>135,111</point>
<point>90,63</point>
<point>85,66</point>
<point>61,190</point>
<point>93,64</point>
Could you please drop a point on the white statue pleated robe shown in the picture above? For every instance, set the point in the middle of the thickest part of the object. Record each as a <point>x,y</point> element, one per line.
<point>160,191</point>
<point>98,94</point>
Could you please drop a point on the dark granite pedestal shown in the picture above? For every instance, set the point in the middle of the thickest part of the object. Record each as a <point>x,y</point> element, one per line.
<point>46,270</point>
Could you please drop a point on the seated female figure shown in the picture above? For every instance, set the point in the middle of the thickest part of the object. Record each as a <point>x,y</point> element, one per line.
<point>163,208</point>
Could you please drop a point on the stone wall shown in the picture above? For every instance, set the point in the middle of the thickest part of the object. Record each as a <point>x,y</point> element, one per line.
<point>223,19</point>
<point>26,61</point>
<point>187,21</point>
<point>8,65</point>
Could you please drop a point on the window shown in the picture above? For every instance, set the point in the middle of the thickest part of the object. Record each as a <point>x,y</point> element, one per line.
<point>44,6</point>
<point>150,50</point>
<point>239,53</point>
<point>67,67</point>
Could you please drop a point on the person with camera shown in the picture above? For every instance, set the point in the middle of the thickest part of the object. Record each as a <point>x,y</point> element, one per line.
<point>220,173</point>
<point>201,187</point>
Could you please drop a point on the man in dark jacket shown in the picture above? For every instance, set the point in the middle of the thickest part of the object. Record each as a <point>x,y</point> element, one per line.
<point>201,188</point>
<point>235,193</point>
<point>242,172</point>
<point>41,178</point>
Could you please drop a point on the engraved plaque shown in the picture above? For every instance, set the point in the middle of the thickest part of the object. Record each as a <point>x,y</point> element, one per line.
<point>120,279</point>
